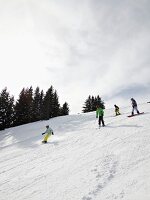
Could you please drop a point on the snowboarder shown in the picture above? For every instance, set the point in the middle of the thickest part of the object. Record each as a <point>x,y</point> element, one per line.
<point>48,133</point>
<point>117,110</point>
<point>99,115</point>
<point>134,106</point>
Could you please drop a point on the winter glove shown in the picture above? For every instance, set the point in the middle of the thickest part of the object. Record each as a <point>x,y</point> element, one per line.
<point>43,133</point>
<point>52,133</point>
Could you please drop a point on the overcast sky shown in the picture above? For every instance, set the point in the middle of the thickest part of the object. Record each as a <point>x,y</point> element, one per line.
<point>81,47</point>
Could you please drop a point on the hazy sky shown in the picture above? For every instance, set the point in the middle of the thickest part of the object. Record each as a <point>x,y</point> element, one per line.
<point>81,47</point>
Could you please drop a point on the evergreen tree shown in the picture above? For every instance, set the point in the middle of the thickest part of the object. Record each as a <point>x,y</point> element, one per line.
<point>37,104</point>
<point>23,107</point>
<point>65,109</point>
<point>6,109</point>
<point>100,102</point>
<point>91,103</point>
<point>29,107</point>
<point>55,105</point>
<point>29,96</point>
<point>47,111</point>
<point>41,104</point>
<point>87,105</point>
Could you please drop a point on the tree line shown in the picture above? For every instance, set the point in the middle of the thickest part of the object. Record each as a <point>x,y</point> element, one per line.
<point>32,105</point>
<point>91,103</point>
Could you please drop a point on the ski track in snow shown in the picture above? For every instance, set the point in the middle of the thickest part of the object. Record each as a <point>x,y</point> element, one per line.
<point>81,161</point>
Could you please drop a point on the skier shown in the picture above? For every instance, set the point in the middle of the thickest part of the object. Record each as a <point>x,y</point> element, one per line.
<point>48,133</point>
<point>99,115</point>
<point>117,110</point>
<point>134,106</point>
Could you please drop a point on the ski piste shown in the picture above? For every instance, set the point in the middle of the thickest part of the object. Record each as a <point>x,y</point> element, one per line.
<point>135,114</point>
<point>99,127</point>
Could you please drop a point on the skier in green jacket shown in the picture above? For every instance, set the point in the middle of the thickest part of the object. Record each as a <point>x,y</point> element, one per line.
<point>99,115</point>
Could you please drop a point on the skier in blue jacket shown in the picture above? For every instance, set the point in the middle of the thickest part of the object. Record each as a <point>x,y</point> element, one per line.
<point>134,106</point>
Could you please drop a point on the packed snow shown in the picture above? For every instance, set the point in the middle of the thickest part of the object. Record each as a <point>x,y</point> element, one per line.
<point>80,161</point>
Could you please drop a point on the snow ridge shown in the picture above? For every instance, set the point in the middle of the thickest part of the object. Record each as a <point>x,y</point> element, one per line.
<point>81,161</point>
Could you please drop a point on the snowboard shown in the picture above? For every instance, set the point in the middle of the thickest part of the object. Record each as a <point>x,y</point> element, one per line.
<point>135,114</point>
<point>44,142</point>
<point>117,115</point>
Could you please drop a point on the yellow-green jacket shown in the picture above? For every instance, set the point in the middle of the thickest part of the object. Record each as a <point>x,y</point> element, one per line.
<point>99,112</point>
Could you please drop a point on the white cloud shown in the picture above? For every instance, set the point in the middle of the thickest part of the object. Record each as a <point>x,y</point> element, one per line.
<point>80,47</point>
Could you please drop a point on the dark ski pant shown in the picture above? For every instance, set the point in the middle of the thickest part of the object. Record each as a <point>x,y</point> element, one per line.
<point>117,111</point>
<point>101,120</point>
<point>136,109</point>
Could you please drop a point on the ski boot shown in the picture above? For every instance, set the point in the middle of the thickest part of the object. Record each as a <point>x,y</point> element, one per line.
<point>44,142</point>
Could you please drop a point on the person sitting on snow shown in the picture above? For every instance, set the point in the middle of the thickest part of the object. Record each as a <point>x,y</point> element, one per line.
<point>48,133</point>
<point>117,110</point>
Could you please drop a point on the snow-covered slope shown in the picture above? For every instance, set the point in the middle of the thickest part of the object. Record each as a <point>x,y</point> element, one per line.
<point>81,161</point>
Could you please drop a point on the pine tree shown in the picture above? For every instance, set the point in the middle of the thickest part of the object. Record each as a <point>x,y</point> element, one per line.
<point>87,105</point>
<point>29,96</point>
<point>91,104</point>
<point>30,107</point>
<point>23,107</point>
<point>100,102</point>
<point>65,109</point>
<point>41,104</point>
<point>55,105</point>
<point>37,104</point>
<point>6,109</point>
<point>47,111</point>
